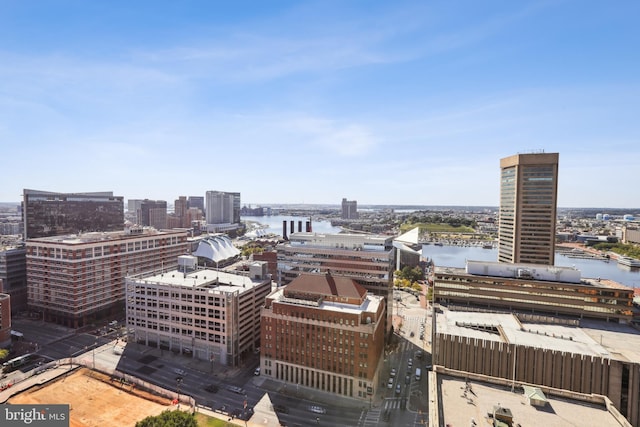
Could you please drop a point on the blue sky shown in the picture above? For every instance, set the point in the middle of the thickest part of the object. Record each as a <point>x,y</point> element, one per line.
<point>384,102</point>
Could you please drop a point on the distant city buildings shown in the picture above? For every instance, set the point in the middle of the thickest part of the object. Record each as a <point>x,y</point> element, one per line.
<point>249,211</point>
<point>153,213</point>
<point>324,332</point>
<point>349,209</point>
<point>75,279</point>
<point>181,206</point>
<point>208,314</point>
<point>223,211</point>
<point>5,319</point>
<point>134,205</point>
<point>13,275</point>
<point>528,202</point>
<point>53,214</point>
<point>196,202</point>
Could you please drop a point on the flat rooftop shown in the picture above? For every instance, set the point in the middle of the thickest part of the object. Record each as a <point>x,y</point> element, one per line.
<point>93,237</point>
<point>219,281</point>
<point>370,304</point>
<point>458,408</point>
<point>596,282</point>
<point>605,339</point>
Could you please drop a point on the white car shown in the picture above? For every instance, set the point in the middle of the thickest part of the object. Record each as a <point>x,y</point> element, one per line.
<point>317,409</point>
<point>180,372</point>
<point>390,383</point>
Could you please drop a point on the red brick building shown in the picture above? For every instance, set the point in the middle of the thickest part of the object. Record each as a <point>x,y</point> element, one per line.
<point>324,332</point>
<point>74,280</point>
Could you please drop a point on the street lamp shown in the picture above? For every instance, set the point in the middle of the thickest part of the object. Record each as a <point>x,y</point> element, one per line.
<point>178,382</point>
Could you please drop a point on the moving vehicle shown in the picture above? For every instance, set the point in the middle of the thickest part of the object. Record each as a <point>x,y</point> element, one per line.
<point>390,383</point>
<point>418,374</point>
<point>256,372</point>
<point>317,409</point>
<point>398,389</point>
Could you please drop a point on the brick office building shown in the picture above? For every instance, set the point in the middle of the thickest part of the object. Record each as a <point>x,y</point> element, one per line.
<point>367,259</point>
<point>324,332</point>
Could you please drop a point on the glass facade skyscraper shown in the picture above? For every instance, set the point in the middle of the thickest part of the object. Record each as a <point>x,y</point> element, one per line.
<point>53,214</point>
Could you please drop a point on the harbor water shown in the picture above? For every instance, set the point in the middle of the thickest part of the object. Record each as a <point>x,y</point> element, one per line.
<point>456,256</point>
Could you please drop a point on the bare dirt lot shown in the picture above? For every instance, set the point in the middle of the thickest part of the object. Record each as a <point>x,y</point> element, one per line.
<point>95,400</point>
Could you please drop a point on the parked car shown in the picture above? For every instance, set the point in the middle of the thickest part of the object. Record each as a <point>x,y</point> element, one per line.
<point>317,409</point>
<point>393,372</point>
<point>390,383</point>
<point>179,372</point>
<point>236,389</point>
<point>256,372</point>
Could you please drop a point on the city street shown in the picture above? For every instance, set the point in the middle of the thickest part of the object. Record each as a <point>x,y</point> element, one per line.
<point>234,392</point>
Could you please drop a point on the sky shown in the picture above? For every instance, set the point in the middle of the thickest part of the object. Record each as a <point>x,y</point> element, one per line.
<point>383,102</point>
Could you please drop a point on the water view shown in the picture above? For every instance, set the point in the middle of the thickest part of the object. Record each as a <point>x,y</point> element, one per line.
<point>455,256</point>
<point>273,223</point>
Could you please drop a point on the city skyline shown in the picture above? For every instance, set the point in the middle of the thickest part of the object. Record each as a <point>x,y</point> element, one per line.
<point>310,102</point>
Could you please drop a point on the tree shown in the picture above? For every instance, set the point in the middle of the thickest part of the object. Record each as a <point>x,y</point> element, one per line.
<point>4,353</point>
<point>169,419</point>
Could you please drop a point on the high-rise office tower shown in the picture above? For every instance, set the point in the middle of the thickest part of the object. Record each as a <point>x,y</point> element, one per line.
<point>196,202</point>
<point>528,201</point>
<point>180,209</point>
<point>13,275</point>
<point>153,213</point>
<point>53,214</point>
<point>223,207</point>
<point>349,209</point>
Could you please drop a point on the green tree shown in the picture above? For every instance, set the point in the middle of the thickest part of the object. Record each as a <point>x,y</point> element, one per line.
<point>169,419</point>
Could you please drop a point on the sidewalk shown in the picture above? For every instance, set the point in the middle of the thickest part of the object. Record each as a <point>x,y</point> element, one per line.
<point>309,394</point>
<point>207,368</point>
<point>36,379</point>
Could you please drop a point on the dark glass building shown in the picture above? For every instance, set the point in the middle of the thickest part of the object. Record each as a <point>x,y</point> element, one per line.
<point>53,214</point>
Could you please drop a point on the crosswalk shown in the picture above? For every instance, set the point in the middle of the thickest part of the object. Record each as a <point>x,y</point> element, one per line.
<point>371,418</point>
<point>392,403</point>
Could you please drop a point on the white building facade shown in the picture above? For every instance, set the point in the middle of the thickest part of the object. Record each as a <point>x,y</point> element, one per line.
<point>209,314</point>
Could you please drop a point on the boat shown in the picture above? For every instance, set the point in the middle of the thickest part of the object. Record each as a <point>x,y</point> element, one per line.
<point>628,261</point>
